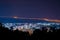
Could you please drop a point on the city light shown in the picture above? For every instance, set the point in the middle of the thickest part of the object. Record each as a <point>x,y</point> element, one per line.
<point>25,26</point>
<point>15,17</point>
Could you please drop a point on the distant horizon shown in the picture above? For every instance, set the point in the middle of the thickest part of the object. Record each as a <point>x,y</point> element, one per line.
<point>27,17</point>
<point>16,18</point>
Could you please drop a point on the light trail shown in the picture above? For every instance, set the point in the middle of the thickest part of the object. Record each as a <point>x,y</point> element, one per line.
<point>52,20</point>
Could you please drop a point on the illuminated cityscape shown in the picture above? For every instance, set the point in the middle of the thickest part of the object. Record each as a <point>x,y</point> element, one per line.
<point>28,23</point>
<point>29,19</point>
<point>32,26</point>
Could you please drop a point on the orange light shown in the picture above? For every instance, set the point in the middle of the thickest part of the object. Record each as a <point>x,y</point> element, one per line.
<point>15,17</point>
<point>45,19</point>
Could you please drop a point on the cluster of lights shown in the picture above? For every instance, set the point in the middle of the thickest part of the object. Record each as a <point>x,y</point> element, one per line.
<point>20,26</point>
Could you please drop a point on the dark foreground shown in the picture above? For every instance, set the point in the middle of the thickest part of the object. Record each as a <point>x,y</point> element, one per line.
<point>6,34</point>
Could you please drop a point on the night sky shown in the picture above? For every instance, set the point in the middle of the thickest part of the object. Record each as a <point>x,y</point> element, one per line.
<point>31,8</point>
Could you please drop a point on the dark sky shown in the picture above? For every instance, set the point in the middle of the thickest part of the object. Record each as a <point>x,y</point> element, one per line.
<point>30,8</point>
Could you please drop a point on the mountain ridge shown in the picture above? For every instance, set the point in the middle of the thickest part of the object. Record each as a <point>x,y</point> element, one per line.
<point>16,20</point>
